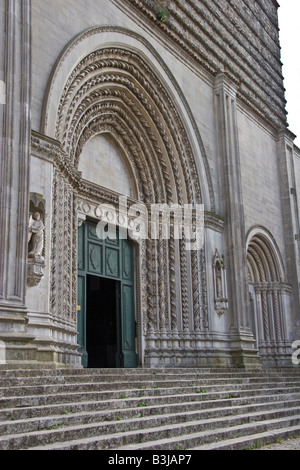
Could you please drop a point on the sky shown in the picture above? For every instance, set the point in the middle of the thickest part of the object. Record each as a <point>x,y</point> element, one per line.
<point>289,35</point>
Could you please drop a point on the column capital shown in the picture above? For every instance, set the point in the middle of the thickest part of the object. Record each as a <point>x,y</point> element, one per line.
<point>224,84</point>
<point>286,135</point>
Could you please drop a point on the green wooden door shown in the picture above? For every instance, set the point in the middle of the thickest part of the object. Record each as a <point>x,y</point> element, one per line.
<point>110,260</point>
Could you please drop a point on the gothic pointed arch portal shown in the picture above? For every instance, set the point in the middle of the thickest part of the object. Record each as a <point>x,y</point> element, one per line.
<point>106,84</point>
<point>269,297</point>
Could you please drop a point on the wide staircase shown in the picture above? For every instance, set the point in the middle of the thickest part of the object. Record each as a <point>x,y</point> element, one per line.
<point>147,409</point>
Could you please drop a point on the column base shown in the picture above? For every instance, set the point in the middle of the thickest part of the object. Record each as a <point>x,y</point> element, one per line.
<point>243,351</point>
<point>21,348</point>
<point>16,346</point>
<point>237,350</point>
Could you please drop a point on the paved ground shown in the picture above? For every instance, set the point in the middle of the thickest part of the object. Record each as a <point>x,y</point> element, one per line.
<point>289,444</point>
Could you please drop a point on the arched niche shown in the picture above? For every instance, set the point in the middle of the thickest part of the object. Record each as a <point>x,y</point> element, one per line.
<point>269,296</point>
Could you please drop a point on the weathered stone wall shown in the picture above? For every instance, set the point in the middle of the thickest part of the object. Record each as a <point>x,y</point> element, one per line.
<point>239,37</point>
<point>260,178</point>
<point>297,172</point>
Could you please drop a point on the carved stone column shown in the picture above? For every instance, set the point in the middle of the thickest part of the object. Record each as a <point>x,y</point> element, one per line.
<point>238,295</point>
<point>15,125</point>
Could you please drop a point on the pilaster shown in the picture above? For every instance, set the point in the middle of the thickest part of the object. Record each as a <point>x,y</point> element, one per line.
<point>15,126</point>
<point>233,210</point>
<point>291,218</point>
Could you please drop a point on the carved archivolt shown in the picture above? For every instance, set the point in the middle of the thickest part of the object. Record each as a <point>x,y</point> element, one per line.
<point>266,274</point>
<point>90,40</point>
<point>114,91</point>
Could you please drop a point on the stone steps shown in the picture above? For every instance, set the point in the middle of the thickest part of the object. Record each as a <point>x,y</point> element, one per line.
<point>252,441</point>
<point>181,387</point>
<point>146,409</point>
<point>195,441</point>
<point>164,403</point>
<point>181,411</point>
<point>44,384</point>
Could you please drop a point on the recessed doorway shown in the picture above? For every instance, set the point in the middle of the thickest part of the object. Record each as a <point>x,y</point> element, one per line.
<point>103,322</point>
<point>106,300</point>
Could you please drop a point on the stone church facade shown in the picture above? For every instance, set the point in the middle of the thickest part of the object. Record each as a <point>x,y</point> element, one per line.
<point>112,110</point>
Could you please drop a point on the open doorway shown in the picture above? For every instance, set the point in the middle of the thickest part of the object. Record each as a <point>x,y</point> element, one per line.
<point>105,300</point>
<point>103,322</point>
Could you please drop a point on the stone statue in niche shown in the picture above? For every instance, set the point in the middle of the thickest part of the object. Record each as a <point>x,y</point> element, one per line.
<point>220,281</point>
<point>36,240</point>
<point>36,236</point>
<point>219,286</point>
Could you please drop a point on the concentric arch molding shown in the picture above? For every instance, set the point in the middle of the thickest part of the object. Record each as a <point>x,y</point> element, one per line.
<point>97,39</point>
